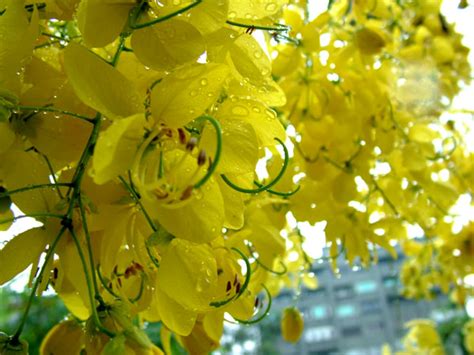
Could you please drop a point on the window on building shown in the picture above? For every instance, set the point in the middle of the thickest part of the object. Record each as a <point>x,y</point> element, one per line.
<point>351,331</point>
<point>345,310</point>
<point>371,306</point>
<point>390,282</point>
<point>365,286</point>
<point>343,292</point>
<point>318,334</point>
<point>319,312</point>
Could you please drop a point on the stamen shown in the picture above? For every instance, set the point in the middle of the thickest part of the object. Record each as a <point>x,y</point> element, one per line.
<point>202,157</point>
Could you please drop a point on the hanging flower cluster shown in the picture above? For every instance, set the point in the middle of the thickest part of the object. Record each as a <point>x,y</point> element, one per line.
<point>132,130</point>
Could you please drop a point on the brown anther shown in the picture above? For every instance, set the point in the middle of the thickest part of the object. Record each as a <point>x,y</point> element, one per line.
<point>115,270</point>
<point>110,285</point>
<point>138,266</point>
<point>119,281</point>
<point>235,280</point>
<point>229,286</point>
<point>237,287</point>
<point>187,193</point>
<point>182,136</point>
<point>202,157</point>
<point>250,30</point>
<point>191,143</point>
<point>256,302</point>
<point>55,273</point>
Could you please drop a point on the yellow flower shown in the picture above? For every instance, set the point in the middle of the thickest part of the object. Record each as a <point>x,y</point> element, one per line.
<point>468,331</point>
<point>292,324</point>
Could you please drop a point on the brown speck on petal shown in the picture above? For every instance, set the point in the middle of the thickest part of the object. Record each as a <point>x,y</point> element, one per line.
<point>201,157</point>
<point>191,144</point>
<point>182,136</point>
<point>187,193</point>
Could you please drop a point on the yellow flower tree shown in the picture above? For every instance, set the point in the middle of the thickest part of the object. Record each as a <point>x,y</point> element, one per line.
<point>133,129</point>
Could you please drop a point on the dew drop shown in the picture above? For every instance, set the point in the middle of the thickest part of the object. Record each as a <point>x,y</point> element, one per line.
<point>193,93</point>
<point>271,7</point>
<point>239,110</point>
<point>203,82</point>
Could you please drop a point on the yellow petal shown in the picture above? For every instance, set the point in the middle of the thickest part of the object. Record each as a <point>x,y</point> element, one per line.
<point>186,93</point>
<point>20,252</point>
<point>239,153</point>
<point>28,168</point>
<point>263,120</point>
<point>116,148</point>
<point>188,274</point>
<point>100,22</point>
<point>249,58</point>
<point>17,39</point>
<point>254,9</point>
<point>99,85</point>
<point>177,42</point>
<point>177,318</point>
<point>64,338</point>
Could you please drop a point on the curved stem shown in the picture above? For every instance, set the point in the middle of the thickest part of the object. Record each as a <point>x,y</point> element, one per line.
<point>153,259</point>
<point>33,215</point>
<point>277,193</point>
<point>53,109</point>
<point>33,187</point>
<point>263,187</point>
<point>217,156</point>
<point>135,26</point>
<point>140,291</point>
<point>283,272</point>
<point>85,227</point>
<point>38,279</point>
<point>244,285</point>
<point>95,315</point>
<point>104,283</point>
<point>264,314</point>
<point>139,203</point>
<point>277,27</point>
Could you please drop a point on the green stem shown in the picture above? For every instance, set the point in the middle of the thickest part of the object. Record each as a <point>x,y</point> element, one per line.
<point>38,279</point>
<point>277,193</point>
<point>217,156</point>
<point>53,175</point>
<point>139,203</point>
<point>277,28</point>
<point>89,285</point>
<point>74,187</point>
<point>244,285</point>
<point>53,109</point>
<point>33,215</point>
<point>264,314</point>
<point>262,187</point>
<point>85,227</point>
<point>135,26</point>
<point>32,187</point>
<point>283,272</point>
<point>385,197</point>
<point>104,283</point>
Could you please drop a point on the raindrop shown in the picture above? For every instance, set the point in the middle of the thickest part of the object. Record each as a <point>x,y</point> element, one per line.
<point>271,7</point>
<point>239,110</point>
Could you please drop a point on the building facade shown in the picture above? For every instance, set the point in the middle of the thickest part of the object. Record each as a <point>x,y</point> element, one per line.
<point>355,313</point>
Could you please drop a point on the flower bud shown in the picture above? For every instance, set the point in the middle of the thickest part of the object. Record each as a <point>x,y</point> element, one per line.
<point>292,324</point>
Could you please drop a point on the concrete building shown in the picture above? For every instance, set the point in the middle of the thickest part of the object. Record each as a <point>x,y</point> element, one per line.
<point>354,314</point>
